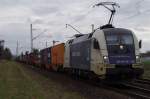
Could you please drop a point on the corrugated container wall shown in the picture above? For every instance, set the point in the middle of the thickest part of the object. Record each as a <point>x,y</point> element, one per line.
<point>57,53</point>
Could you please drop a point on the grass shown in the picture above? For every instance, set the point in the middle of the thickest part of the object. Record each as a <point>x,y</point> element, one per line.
<point>146,69</point>
<point>17,82</point>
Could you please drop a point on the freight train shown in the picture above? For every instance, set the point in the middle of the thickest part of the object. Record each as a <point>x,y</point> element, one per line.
<point>106,53</point>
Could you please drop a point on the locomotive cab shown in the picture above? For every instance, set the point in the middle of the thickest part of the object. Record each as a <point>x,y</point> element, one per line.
<point>119,49</point>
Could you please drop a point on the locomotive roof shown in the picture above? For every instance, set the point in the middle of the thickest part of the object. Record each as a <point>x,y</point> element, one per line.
<point>117,30</point>
<point>107,30</point>
<point>80,39</point>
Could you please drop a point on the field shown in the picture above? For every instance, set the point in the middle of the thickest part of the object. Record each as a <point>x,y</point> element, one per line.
<point>146,69</point>
<point>18,81</point>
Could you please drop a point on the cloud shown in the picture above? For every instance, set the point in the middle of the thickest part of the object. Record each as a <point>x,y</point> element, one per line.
<point>17,15</point>
<point>43,10</point>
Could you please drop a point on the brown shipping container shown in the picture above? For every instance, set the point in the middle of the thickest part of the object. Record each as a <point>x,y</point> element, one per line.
<point>57,53</point>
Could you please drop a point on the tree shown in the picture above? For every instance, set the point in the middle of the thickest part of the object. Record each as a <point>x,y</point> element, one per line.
<point>147,54</point>
<point>1,52</point>
<point>35,51</point>
<point>7,54</point>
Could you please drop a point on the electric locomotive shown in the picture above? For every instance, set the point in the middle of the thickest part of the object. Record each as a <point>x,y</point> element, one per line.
<point>107,52</point>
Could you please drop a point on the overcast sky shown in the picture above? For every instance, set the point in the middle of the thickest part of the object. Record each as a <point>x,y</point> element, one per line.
<point>52,15</point>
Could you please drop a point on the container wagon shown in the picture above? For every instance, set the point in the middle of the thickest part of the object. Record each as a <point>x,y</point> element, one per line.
<point>45,55</point>
<point>57,56</point>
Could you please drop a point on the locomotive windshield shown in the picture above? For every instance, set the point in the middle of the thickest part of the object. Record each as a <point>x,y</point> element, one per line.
<point>120,46</point>
<point>116,39</point>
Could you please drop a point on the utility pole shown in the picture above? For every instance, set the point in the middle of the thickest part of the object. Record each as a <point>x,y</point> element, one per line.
<point>54,42</point>
<point>92,27</point>
<point>46,44</point>
<point>17,48</point>
<point>31,37</point>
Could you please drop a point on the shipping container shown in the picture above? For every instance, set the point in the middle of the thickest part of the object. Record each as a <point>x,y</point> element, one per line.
<point>42,57</point>
<point>30,59</point>
<point>45,55</point>
<point>57,53</point>
<point>34,59</point>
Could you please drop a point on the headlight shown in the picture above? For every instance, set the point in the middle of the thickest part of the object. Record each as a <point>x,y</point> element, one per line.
<point>105,59</point>
<point>138,59</point>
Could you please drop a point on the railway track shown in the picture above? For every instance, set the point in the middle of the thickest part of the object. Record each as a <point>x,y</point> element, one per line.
<point>139,89</point>
<point>143,81</point>
<point>132,89</point>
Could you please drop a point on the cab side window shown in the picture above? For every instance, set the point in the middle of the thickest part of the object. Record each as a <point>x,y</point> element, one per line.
<point>95,44</point>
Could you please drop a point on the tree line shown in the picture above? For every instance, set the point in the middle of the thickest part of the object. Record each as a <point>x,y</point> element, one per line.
<point>5,53</point>
<point>146,54</point>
